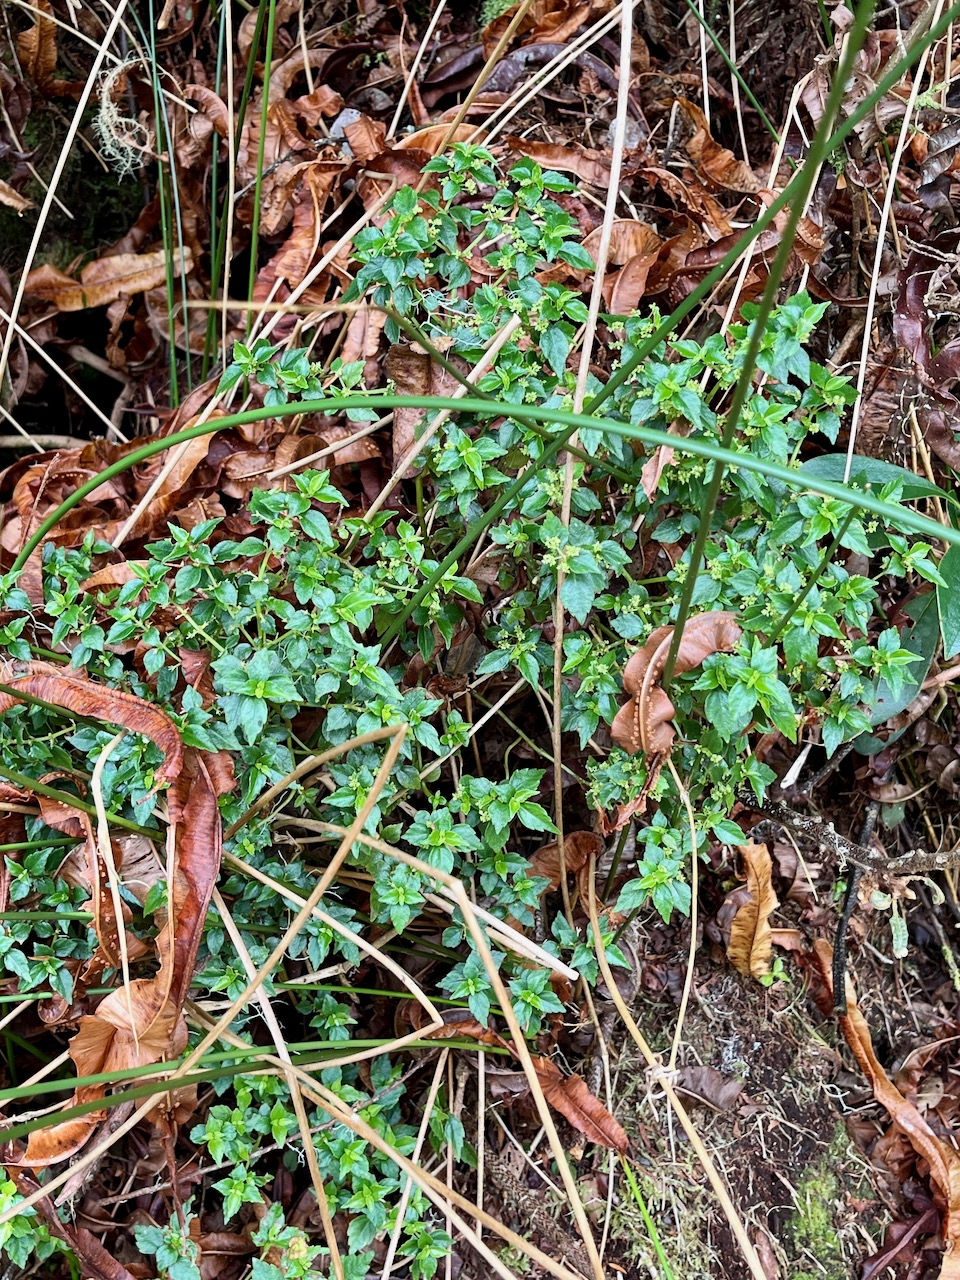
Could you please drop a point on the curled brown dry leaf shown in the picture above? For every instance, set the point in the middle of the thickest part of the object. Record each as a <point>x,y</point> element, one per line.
<point>643,723</point>
<point>942,1159</point>
<point>751,937</point>
<point>142,1022</point>
<point>102,281</point>
<point>570,1096</point>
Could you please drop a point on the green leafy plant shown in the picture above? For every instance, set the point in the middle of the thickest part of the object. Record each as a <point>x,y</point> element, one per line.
<point>313,628</point>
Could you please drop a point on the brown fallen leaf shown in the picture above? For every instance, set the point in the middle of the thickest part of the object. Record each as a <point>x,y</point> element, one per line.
<point>102,281</point>
<point>714,161</point>
<point>629,284</point>
<point>413,373</point>
<point>13,199</point>
<point>567,1094</point>
<point>555,20</point>
<point>942,1159</point>
<point>923,288</point>
<point>707,1084</point>
<point>750,933</point>
<point>578,848</point>
<point>96,1262</point>
<point>591,166</point>
<point>142,1022</point>
<point>434,136</point>
<point>37,47</point>
<point>460,1024</point>
<point>788,939</point>
<point>643,724</point>
<point>69,689</point>
<point>570,1096</point>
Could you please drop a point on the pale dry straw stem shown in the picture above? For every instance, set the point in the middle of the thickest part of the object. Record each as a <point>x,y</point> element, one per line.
<point>947,65</point>
<point>471,915</point>
<point>22,432</point>
<point>62,373</point>
<point>511,939</point>
<point>18,143</point>
<point>46,1070</point>
<point>586,354</point>
<point>15,1012</point>
<point>414,68</point>
<point>931,18</point>
<point>331,922</point>
<point>663,1080</point>
<point>474,92</point>
<point>104,851</point>
<point>694,889</point>
<point>441,1196</point>
<point>428,1106</point>
<point>418,446</point>
<point>311,458</point>
<point>610,1104</point>
<point>204,415</point>
<point>504,933</point>
<point>90,1157</point>
<point>231,176</point>
<point>77,34</point>
<point>527,1156</point>
<point>481,1129</point>
<point>293,1084</point>
<point>310,765</point>
<point>55,177</point>
<point>299,289</point>
<point>922,453</point>
<point>530,89</point>
<point>474,728</point>
<point>750,251</point>
<point>734,82</point>
<point>523,1053</point>
<point>282,308</point>
<point>304,50</point>
<point>702,32</point>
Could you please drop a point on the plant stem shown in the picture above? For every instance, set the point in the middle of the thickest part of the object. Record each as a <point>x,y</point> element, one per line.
<point>820,148</point>
<point>74,802</point>
<point>824,561</point>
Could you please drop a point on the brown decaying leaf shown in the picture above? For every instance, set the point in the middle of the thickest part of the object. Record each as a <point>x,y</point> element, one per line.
<point>142,1022</point>
<point>643,724</point>
<point>96,1263</point>
<point>37,48</point>
<point>913,320</point>
<point>714,161</point>
<point>707,1084</point>
<point>578,848</point>
<point>77,693</point>
<point>436,135</point>
<point>750,933</point>
<point>102,281</point>
<point>591,166</point>
<point>466,1027</point>
<point>942,1159</point>
<point>567,1094</point>
<point>570,1096</point>
<point>413,373</point>
<point>13,199</point>
<point>555,20</point>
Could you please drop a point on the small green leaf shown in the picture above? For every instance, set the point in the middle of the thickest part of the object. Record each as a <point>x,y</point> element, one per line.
<point>948,601</point>
<point>555,345</point>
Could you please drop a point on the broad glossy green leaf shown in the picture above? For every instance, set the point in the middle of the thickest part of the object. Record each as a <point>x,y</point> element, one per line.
<point>948,601</point>
<point>872,471</point>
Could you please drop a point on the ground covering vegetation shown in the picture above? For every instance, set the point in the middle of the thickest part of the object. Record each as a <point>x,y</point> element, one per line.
<point>479,607</point>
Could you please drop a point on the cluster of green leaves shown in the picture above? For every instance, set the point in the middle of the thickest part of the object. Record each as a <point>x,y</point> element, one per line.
<point>284,630</point>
